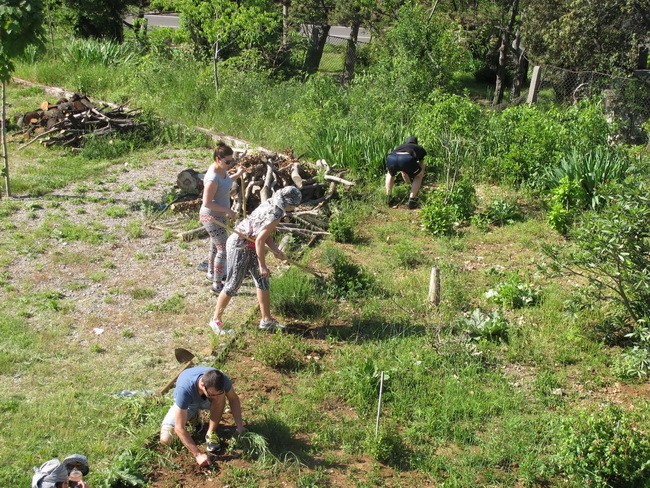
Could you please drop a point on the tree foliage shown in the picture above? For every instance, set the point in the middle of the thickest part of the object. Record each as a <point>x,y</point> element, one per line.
<point>99,19</point>
<point>586,35</point>
<point>20,26</point>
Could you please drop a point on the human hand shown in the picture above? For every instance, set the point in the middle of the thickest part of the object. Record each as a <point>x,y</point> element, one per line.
<point>241,430</point>
<point>231,214</point>
<point>264,271</point>
<point>202,459</point>
<point>280,255</point>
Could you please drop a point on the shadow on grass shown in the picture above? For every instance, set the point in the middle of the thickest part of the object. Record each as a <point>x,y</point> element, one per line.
<point>360,330</point>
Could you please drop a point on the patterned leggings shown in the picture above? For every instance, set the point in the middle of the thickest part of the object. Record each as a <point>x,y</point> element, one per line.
<point>242,259</point>
<point>218,237</point>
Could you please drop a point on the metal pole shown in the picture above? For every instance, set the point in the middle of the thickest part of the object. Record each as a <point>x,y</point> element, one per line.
<point>381,391</point>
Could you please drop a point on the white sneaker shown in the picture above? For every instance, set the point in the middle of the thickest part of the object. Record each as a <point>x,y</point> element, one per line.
<point>166,434</point>
<point>271,325</point>
<point>217,328</point>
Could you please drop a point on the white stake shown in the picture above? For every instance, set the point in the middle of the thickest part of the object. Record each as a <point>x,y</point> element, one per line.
<point>381,391</point>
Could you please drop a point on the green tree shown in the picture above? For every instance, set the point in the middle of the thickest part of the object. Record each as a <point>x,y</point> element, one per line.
<point>20,26</point>
<point>98,18</point>
<point>607,35</point>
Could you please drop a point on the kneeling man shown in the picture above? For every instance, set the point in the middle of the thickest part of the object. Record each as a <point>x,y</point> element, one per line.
<point>200,388</point>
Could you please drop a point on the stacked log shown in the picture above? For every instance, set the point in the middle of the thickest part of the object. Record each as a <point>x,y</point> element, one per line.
<point>267,173</point>
<point>68,122</point>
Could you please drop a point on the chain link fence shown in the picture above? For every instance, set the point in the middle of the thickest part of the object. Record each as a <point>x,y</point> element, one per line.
<point>626,101</point>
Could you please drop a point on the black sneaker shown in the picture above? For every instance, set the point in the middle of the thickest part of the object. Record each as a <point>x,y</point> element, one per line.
<point>413,203</point>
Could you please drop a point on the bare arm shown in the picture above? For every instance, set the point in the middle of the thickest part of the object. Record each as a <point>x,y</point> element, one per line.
<point>235,409</point>
<point>180,419</point>
<point>261,240</point>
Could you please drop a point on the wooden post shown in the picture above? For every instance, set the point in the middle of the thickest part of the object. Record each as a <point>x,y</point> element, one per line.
<point>381,391</point>
<point>434,286</point>
<point>533,90</point>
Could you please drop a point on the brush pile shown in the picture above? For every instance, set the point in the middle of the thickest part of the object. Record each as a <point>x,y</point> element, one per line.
<point>68,122</point>
<point>265,174</point>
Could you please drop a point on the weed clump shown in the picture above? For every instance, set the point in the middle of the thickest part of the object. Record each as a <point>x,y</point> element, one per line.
<point>280,352</point>
<point>349,280</point>
<point>514,293</point>
<point>295,294</point>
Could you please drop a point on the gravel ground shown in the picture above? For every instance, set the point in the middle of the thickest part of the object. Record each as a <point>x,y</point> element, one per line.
<point>119,292</point>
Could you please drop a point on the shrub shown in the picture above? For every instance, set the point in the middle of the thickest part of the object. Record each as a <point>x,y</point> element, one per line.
<point>342,228</point>
<point>409,255</point>
<point>295,294</point>
<point>514,293</point>
<point>348,280</point>
<point>611,248</point>
<point>446,209</point>
<point>388,448</point>
<point>566,202</point>
<point>501,212</point>
<point>604,449</point>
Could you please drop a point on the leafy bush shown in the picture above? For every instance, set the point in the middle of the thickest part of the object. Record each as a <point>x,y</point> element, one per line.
<point>604,449</point>
<point>348,280</point>
<point>295,294</point>
<point>342,227</point>
<point>280,351</point>
<point>566,202</point>
<point>492,326</point>
<point>611,248</point>
<point>445,210</point>
<point>514,293</point>
<point>388,448</point>
<point>524,141</point>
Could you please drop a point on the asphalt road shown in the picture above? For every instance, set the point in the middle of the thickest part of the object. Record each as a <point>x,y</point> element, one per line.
<point>171,20</point>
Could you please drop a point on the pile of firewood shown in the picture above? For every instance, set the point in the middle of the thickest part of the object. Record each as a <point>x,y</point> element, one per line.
<point>68,122</point>
<point>265,174</point>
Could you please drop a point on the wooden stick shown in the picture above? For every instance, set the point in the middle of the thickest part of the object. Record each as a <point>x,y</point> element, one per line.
<point>381,391</point>
<point>53,129</point>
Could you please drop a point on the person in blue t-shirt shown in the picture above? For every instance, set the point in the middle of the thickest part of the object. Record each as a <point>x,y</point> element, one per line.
<point>200,388</point>
<point>407,159</point>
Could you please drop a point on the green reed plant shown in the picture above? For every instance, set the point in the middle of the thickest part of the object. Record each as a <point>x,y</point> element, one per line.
<point>591,170</point>
<point>95,51</point>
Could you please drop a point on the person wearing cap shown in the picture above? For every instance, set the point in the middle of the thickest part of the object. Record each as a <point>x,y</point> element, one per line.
<point>201,388</point>
<point>245,255</point>
<point>52,474</point>
<point>409,160</point>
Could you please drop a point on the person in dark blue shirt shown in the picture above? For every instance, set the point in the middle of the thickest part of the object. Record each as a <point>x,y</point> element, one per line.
<point>408,160</point>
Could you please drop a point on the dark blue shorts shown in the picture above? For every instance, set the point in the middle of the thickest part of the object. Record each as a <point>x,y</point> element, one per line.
<point>402,162</point>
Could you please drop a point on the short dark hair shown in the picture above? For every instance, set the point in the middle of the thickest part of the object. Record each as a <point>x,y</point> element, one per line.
<point>222,150</point>
<point>213,379</point>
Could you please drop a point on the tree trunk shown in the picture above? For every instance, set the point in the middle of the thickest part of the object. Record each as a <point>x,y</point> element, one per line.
<point>4,140</point>
<point>503,55</point>
<point>351,52</point>
<point>285,22</point>
<point>522,67</point>
<point>318,38</point>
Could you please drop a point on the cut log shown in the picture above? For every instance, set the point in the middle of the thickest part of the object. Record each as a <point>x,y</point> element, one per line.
<point>189,181</point>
